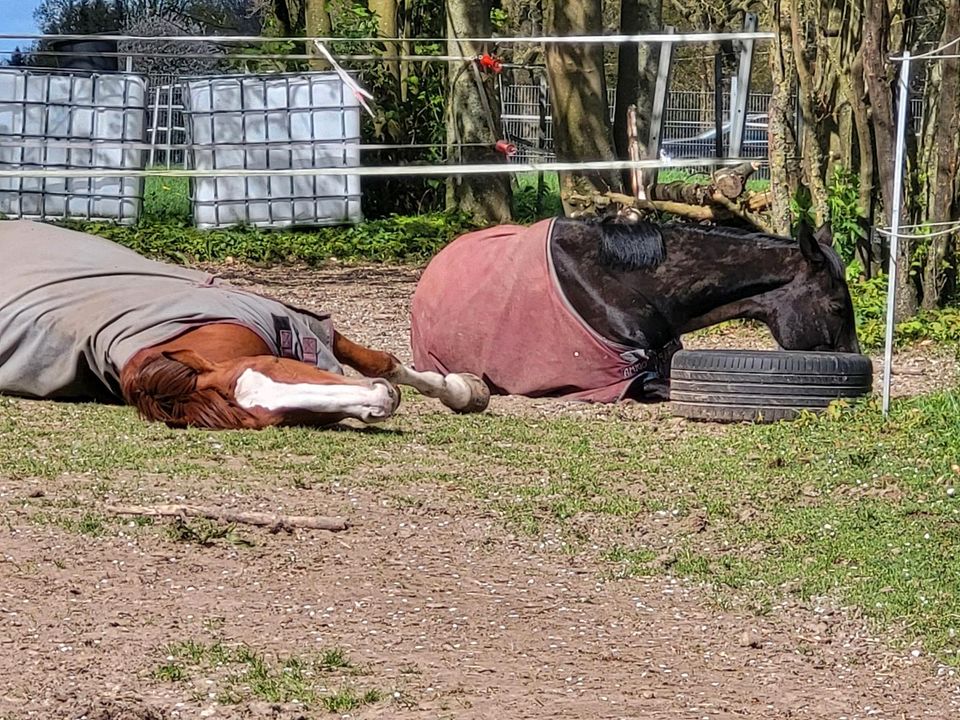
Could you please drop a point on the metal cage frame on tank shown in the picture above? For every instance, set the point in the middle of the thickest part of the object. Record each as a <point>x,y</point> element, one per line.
<point>250,122</point>
<point>56,119</point>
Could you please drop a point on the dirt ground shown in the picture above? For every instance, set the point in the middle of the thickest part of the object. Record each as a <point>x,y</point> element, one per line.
<point>446,612</point>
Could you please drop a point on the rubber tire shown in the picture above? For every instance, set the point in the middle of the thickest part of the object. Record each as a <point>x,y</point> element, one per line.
<point>763,386</point>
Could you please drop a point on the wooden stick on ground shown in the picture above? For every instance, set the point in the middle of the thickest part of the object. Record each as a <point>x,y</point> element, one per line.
<point>270,520</point>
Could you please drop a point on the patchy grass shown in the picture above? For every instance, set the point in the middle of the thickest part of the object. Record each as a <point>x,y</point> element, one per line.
<point>333,659</point>
<point>169,672</point>
<point>241,673</point>
<point>347,699</point>
<point>201,531</point>
<point>845,505</point>
<point>88,523</point>
<point>166,200</point>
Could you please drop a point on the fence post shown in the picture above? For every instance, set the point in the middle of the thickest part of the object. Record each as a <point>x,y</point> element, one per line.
<point>659,102</point>
<point>904,82</point>
<point>718,104</point>
<point>738,111</point>
<point>153,127</point>
<point>541,139</point>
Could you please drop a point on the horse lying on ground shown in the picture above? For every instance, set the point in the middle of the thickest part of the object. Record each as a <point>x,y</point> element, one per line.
<point>82,318</point>
<point>594,310</point>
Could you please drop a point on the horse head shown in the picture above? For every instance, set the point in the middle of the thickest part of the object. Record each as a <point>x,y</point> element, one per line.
<point>813,311</point>
<point>183,389</point>
<point>644,284</point>
<point>175,388</point>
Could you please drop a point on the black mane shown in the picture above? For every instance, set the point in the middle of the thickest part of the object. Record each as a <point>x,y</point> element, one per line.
<point>626,245</point>
<point>834,262</point>
<point>735,233</point>
<point>630,245</point>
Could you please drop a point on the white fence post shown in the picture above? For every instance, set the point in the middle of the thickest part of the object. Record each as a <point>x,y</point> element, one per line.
<point>738,110</point>
<point>895,226</point>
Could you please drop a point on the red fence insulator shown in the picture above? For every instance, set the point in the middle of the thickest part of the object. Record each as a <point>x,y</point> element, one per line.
<point>489,63</point>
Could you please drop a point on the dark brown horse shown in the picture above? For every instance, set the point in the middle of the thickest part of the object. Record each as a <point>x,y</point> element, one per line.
<point>83,318</point>
<point>595,310</point>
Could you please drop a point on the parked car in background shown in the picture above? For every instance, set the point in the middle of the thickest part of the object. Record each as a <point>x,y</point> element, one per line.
<point>703,145</point>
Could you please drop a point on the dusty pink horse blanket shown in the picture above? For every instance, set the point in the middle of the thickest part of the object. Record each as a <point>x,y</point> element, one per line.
<point>489,303</point>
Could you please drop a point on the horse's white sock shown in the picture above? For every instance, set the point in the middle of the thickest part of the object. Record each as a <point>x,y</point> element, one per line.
<point>451,389</point>
<point>373,402</point>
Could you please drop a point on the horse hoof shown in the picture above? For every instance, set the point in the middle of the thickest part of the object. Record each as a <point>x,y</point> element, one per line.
<point>479,394</point>
<point>388,407</point>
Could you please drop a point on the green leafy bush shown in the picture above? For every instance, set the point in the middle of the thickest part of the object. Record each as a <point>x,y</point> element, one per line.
<point>846,215</point>
<point>167,200</point>
<point>394,239</point>
<point>525,198</point>
<point>870,305</point>
<point>847,225</point>
<point>408,108</point>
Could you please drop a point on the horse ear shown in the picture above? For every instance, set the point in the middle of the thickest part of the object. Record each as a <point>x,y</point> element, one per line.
<point>808,243</point>
<point>191,359</point>
<point>824,235</point>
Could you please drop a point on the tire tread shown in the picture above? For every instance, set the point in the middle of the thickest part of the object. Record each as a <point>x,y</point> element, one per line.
<point>737,385</point>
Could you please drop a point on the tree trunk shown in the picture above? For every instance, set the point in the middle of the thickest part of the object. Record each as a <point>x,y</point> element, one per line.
<point>782,138</point>
<point>386,12</point>
<point>876,47</point>
<point>578,88</point>
<point>318,24</point>
<point>628,81</point>
<point>472,117</point>
<point>406,47</point>
<point>651,20</point>
<point>939,266</point>
<point>636,75</point>
<point>813,160</point>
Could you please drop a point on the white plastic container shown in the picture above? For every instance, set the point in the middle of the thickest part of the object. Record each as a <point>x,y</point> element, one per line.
<point>71,120</point>
<point>273,122</point>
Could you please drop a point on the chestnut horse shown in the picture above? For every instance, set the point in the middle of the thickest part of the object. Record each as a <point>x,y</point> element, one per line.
<point>82,318</point>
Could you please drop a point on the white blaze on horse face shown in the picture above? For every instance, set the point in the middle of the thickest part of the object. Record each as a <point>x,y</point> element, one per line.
<point>375,401</point>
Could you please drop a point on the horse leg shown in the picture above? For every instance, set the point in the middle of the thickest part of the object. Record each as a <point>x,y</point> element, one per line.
<point>462,392</point>
<point>297,394</point>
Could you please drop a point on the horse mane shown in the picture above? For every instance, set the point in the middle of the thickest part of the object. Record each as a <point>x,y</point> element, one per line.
<point>630,245</point>
<point>626,245</point>
<point>166,391</point>
<point>735,233</point>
